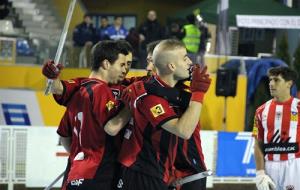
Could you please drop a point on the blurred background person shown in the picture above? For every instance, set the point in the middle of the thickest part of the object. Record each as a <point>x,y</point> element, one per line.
<point>4,10</point>
<point>134,40</point>
<point>117,31</point>
<point>191,37</point>
<point>150,30</point>
<point>102,30</point>
<point>83,38</point>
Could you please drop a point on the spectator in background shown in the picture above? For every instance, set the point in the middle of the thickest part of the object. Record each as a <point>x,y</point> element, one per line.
<point>133,39</point>
<point>174,31</point>
<point>150,31</point>
<point>205,40</point>
<point>117,31</point>
<point>102,31</point>
<point>4,8</point>
<point>191,37</point>
<point>83,38</point>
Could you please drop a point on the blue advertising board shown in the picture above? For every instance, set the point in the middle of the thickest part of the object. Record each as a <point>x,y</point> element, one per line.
<point>235,155</point>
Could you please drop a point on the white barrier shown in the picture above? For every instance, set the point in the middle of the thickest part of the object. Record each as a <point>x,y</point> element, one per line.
<point>33,156</point>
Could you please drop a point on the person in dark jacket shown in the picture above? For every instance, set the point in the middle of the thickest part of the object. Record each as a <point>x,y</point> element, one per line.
<point>84,36</point>
<point>149,31</point>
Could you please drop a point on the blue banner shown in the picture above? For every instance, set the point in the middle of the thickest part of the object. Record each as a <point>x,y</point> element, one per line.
<point>235,155</point>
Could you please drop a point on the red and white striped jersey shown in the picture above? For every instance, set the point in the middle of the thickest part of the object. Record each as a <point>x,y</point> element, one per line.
<point>277,125</point>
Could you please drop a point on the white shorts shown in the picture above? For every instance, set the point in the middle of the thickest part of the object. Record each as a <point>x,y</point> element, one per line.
<point>285,174</point>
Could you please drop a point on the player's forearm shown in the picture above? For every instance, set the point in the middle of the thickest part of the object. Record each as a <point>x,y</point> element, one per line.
<point>186,124</point>
<point>113,126</point>
<point>259,156</point>
<point>57,87</point>
<point>189,120</point>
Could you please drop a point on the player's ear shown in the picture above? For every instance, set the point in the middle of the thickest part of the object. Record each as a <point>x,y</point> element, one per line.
<point>290,83</point>
<point>105,64</point>
<point>172,66</point>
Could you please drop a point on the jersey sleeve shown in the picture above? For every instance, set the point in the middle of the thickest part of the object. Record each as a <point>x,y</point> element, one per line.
<point>65,128</point>
<point>258,131</point>
<point>70,87</point>
<point>156,110</point>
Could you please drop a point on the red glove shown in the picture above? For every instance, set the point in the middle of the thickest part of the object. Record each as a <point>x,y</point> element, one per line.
<point>132,93</point>
<point>50,70</point>
<point>200,83</point>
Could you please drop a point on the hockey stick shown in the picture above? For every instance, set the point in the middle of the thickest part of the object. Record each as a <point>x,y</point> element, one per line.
<point>61,42</point>
<point>55,181</point>
<point>191,178</point>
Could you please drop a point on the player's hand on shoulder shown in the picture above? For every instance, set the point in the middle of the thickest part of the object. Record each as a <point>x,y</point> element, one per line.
<point>132,93</point>
<point>263,181</point>
<point>50,70</point>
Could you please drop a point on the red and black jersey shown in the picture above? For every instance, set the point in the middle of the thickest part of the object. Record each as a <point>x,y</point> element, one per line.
<point>88,110</point>
<point>65,129</point>
<point>147,147</point>
<point>70,87</point>
<point>190,159</point>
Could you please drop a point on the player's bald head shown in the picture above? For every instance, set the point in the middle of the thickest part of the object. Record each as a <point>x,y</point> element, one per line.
<point>164,53</point>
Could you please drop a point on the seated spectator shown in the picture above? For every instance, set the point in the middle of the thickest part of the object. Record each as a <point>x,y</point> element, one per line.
<point>117,31</point>
<point>102,31</point>
<point>83,38</point>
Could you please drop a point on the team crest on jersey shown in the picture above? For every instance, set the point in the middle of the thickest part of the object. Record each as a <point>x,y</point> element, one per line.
<point>294,116</point>
<point>110,105</point>
<point>157,110</point>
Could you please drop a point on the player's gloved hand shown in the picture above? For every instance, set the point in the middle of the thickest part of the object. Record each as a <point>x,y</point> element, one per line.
<point>132,93</point>
<point>263,181</point>
<point>200,83</point>
<point>50,70</point>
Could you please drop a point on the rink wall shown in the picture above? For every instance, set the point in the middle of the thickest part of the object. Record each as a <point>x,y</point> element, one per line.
<point>31,79</point>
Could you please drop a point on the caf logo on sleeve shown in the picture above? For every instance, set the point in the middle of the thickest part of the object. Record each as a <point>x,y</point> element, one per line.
<point>157,110</point>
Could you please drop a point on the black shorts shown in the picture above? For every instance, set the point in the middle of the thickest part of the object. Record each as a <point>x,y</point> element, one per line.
<point>89,184</point>
<point>133,180</point>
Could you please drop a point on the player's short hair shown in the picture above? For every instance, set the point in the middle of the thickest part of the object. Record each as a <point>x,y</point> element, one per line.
<point>150,47</point>
<point>170,44</point>
<point>125,45</point>
<point>106,49</point>
<point>163,53</point>
<point>286,73</point>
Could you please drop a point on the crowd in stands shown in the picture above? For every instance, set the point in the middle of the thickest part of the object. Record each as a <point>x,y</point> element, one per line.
<point>86,34</point>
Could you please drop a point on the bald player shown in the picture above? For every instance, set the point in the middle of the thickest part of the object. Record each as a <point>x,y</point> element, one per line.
<point>153,139</point>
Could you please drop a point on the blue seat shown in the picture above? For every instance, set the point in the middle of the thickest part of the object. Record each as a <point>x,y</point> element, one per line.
<point>23,48</point>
